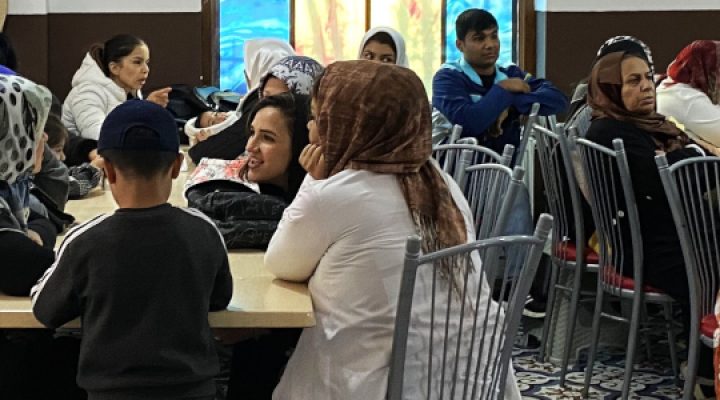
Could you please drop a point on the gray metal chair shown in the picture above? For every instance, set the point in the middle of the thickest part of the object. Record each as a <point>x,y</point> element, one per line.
<point>467,328</point>
<point>569,251</point>
<point>455,158</point>
<point>490,190</point>
<point>532,118</point>
<point>692,187</point>
<point>617,222</point>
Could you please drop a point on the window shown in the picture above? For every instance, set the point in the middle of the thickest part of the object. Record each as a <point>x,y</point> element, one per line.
<point>331,30</point>
<point>247,19</point>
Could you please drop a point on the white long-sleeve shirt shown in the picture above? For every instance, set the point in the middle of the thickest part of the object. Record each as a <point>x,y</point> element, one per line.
<point>347,235</point>
<point>692,108</point>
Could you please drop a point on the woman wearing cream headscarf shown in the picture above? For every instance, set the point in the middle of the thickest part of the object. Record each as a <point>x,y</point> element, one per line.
<point>228,138</point>
<point>23,111</point>
<point>383,44</point>
<point>370,184</point>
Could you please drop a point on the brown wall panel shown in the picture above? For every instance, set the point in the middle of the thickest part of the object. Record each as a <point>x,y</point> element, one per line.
<point>29,35</point>
<point>572,39</point>
<point>174,40</point>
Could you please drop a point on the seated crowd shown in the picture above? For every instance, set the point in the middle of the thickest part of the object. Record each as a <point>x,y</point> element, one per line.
<point>327,168</point>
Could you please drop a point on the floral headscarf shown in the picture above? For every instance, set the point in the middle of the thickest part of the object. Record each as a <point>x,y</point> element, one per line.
<point>298,73</point>
<point>374,116</point>
<point>629,44</point>
<point>260,55</point>
<point>698,65</point>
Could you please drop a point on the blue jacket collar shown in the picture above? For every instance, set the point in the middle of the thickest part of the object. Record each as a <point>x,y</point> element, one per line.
<point>463,66</point>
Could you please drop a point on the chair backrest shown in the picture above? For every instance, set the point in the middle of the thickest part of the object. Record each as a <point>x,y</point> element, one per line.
<point>455,158</point>
<point>455,134</point>
<point>467,140</point>
<point>469,335</point>
<point>490,190</point>
<point>532,118</point>
<point>562,193</point>
<point>614,210</point>
<point>692,187</point>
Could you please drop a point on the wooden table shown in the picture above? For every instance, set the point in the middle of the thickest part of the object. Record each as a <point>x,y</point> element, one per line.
<point>259,299</point>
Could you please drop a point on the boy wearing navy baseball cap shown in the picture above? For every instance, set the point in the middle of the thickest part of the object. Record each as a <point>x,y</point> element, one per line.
<point>142,278</point>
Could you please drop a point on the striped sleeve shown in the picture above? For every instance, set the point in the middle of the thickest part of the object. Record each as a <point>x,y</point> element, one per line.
<point>199,214</point>
<point>53,297</point>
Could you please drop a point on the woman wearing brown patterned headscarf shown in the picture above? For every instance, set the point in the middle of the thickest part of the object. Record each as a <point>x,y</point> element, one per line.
<point>370,184</point>
<point>622,96</point>
<point>691,92</point>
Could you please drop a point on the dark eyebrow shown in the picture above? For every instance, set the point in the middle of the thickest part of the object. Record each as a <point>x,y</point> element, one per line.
<point>268,131</point>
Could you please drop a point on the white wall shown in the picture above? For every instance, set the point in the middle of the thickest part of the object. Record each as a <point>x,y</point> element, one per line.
<point>625,5</point>
<point>27,7</point>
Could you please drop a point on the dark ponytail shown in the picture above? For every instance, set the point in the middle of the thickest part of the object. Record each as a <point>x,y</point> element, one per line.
<point>113,50</point>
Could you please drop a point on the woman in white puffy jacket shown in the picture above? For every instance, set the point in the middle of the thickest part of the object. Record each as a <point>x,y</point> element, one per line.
<point>109,74</point>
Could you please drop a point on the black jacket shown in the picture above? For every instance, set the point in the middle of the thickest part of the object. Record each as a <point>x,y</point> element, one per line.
<point>246,219</point>
<point>143,281</point>
<point>663,263</point>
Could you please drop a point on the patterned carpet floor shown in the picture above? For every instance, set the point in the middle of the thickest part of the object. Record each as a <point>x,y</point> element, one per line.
<point>651,379</point>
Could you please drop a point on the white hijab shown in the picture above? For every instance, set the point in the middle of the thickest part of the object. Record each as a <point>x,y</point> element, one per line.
<point>260,55</point>
<point>400,58</point>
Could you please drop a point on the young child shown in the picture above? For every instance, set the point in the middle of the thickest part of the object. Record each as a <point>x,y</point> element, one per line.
<point>142,278</point>
<point>82,178</point>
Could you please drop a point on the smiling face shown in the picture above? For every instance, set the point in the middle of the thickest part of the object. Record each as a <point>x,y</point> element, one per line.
<point>131,72</point>
<point>376,51</point>
<point>269,148</point>
<point>638,89</point>
<point>481,49</point>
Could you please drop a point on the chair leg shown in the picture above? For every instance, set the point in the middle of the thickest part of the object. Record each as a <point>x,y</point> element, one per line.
<point>632,344</point>
<point>693,356</point>
<point>667,310</point>
<point>644,326</point>
<point>594,340</point>
<point>550,306</point>
<point>570,334</point>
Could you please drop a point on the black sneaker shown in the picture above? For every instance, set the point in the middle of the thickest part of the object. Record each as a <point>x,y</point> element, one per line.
<point>534,308</point>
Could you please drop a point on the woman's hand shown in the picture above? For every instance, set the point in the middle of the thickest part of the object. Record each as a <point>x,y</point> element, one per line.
<point>160,96</point>
<point>34,237</point>
<point>313,161</point>
<point>202,135</point>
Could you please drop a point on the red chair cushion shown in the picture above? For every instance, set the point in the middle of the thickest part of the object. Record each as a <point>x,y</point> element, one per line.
<point>708,324</point>
<point>610,276</point>
<point>567,251</point>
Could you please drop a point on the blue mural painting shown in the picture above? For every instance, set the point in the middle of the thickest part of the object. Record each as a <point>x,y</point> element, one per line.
<point>503,12</point>
<point>247,19</point>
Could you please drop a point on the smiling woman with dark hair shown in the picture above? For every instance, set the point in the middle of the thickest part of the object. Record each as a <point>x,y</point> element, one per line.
<point>247,207</point>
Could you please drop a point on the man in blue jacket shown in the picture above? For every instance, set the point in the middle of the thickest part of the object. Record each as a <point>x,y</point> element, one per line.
<point>484,98</point>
